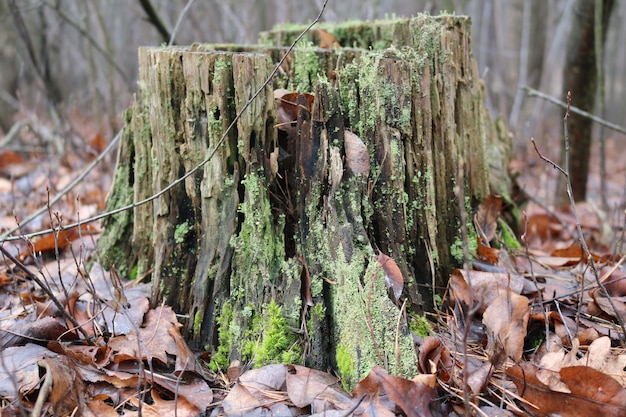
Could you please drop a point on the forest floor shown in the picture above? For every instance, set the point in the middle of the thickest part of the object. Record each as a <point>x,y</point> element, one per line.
<point>527,331</point>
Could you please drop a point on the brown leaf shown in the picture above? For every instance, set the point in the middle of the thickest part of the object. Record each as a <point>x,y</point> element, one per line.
<point>393,276</point>
<point>240,401</point>
<point>65,395</point>
<point>357,155</point>
<point>486,286</point>
<point>412,397</point>
<point>190,387</point>
<point>60,240</point>
<point>19,364</point>
<point>486,253</point>
<point>592,393</point>
<point>486,218</point>
<point>304,385</point>
<point>326,41</point>
<point>506,319</point>
<point>288,102</point>
<point>269,377</point>
<point>615,283</point>
<point>433,353</point>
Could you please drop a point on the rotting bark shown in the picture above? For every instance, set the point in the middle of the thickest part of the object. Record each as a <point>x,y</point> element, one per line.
<point>238,241</point>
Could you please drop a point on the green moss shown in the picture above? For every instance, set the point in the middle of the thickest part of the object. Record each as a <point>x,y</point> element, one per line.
<point>420,325</point>
<point>133,272</point>
<point>508,236</point>
<point>225,336</point>
<point>275,342</point>
<point>197,322</point>
<point>346,367</point>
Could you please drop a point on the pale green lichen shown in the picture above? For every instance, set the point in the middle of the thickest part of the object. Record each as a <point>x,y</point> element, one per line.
<point>306,68</point>
<point>181,232</point>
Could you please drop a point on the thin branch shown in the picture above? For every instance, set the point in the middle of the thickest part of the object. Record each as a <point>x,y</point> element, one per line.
<point>535,93</point>
<point>179,21</point>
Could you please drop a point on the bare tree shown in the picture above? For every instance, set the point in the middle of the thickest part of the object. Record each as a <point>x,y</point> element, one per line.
<point>580,75</point>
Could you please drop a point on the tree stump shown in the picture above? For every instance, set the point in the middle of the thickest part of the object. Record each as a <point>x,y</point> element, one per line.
<point>270,249</point>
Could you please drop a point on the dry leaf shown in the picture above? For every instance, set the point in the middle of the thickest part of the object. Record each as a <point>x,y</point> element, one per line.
<point>326,41</point>
<point>486,218</point>
<point>506,319</point>
<point>357,155</point>
<point>592,393</point>
<point>393,276</point>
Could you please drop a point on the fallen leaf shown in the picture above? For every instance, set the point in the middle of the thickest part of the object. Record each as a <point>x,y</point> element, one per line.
<point>59,240</point>
<point>326,41</point>
<point>486,217</point>
<point>486,286</point>
<point>592,393</point>
<point>357,155</point>
<point>393,276</point>
<point>304,385</point>
<point>67,389</point>
<point>506,319</point>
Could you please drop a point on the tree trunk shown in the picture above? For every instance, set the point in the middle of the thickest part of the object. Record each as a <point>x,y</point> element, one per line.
<point>271,248</point>
<point>580,78</point>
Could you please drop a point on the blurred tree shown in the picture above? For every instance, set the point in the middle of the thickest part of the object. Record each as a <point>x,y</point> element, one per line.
<point>580,77</point>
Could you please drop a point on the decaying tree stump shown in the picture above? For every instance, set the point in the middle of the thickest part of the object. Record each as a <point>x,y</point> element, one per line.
<point>271,248</point>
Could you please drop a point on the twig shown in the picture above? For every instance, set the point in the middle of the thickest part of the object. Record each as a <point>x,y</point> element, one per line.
<point>179,21</point>
<point>44,390</point>
<point>5,238</point>
<point>524,239</point>
<point>535,93</point>
<point>471,309</point>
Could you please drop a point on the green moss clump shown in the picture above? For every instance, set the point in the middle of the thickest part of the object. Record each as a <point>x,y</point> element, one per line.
<point>346,366</point>
<point>420,325</point>
<point>276,343</point>
<point>221,359</point>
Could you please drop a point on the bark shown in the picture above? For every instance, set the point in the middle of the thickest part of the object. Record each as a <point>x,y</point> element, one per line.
<point>580,78</point>
<point>278,262</point>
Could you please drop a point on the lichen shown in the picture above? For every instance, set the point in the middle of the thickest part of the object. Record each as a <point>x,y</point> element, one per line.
<point>306,68</point>
<point>181,231</point>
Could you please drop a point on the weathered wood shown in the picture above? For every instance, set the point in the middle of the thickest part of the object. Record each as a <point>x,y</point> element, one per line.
<point>240,246</point>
